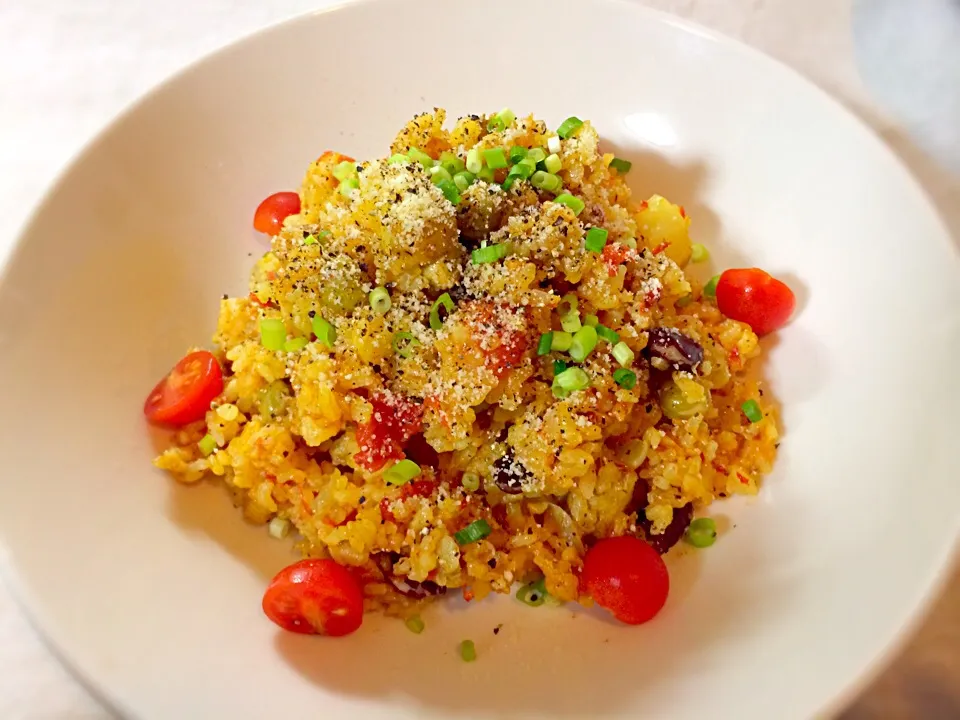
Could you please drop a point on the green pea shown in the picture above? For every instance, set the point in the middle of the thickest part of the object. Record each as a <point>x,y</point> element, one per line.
<point>702,532</point>
<point>676,405</point>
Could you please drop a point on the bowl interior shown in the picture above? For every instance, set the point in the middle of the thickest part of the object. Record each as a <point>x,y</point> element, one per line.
<point>131,575</point>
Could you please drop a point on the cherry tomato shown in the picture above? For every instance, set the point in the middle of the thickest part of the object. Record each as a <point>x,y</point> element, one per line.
<point>184,395</point>
<point>627,577</point>
<point>392,423</point>
<point>315,597</point>
<point>273,211</point>
<point>752,296</point>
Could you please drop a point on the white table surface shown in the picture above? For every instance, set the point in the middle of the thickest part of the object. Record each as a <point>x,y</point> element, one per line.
<point>68,66</point>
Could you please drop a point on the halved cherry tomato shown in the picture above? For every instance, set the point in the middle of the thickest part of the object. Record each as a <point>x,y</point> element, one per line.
<point>315,597</point>
<point>627,577</point>
<point>753,296</point>
<point>184,395</point>
<point>274,210</point>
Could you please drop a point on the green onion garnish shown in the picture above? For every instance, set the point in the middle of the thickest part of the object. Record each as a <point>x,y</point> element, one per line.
<point>607,334</point>
<point>447,302</point>
<point>752,410</point>
<point>477,530</point>
<point>485,174</point>
<point>584,341</point>
<point>558,367</point>
<point>561,341</point>
<point>451,163</point>
<point>295,344</point>
<point>569,380</point>
<point>591,320</point>
<point>495,158</point>
<point>325,332</point>
<point>468,651</point>
<point>273,333</point>
<point>310,240</point>
<point>517,153</point>
<point>501,121</point>
<point>379,300</point>
<point>207,444</point>
<point>463,180</point>
<point>488,254</point>
<point>397,158</point>
<point>699,253</point>
<point>625,378</point>
<point>345,169</point>
<point>348,186</point>
<point>323,234</point>
<point>546,340</point>
<point>439,173</point>
<point>553,144</point>
<point>552,163</point>
<point>702,532</point>
<point>525,168</point>
<point>620,165</point>
<point>545,181</point>
<point>403,343</point>
<point>449,190</point>
<point>414,624</point>
<point>470,481</point>
<point>533,594</point>
<point>684,301</point>
<point>401,472</point>
<point>623,354</point>
<point>710,289</point>
<point>418,155</point>
<point>596,239</point>
<point>474,161</point>
<point>569,126</point>
<point>574,203</point>
<point>537,155</point>
<point>630,243</point>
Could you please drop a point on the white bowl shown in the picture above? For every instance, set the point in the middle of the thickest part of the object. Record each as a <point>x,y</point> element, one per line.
<point>152,591</point>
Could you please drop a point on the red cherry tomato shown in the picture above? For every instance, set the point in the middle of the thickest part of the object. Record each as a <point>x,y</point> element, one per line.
<point>752,296</point>
<point>274,210</point>
<point>627,577</point>
<point>315,597</point>
<point>184,395</point>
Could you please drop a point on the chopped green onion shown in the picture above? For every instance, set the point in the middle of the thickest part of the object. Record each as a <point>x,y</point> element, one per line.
<point>517,153</point>
<point>552,163</point>
<point>537,155</point>
<point>569,126</point>
<point>623,354</point>
<point>702,533</point>
<point>447,302</point>
<point>397,158</point>
<point>273,333</point>
<point>495,158</point>
<point>403,343</point>
<point>348,186</point>
<point>533,594</point>
<point>278,528</point>
<point>501,121</point>
<point>545,181</point>
<point>558,367</point>
<point>546,340</point>
<point>553,144</point>
<point>439,173</point>
<point>574,203</point>
<point>488,254</point>
<point>699,253</point>
<point>568,303</point>
<point>591,320</point>
<point>470,482</point>
<point>323,234</point>
<point>345,169</point>
<point>468,651</point>
<point>418,155</point>
<point>325,332</point>
<point>379,300</point>
<point>569,380</point>
<point>310,240</point>
<point>630,243</point>
<point>625,378</point>
<point>607,334</point>
<point>414,624</point>
<point>525,168</point>
<point>474,161</point>
<point>451,163</point>
<point>571,322</point>
<point>710,289</point>
<point>620,165</point>
<point>507,115</point>
<point>477,530</point>
<point>295,344</point>
<point>684,301</point>
<point>596,239</point>
<point>463,180</point>
<point>584,341</point>
<point>485,174</point>
<point>561,341</point>
<point>401,472</point>
<point>752,410</point>
<point>207,444</point>
<point>449,190</point>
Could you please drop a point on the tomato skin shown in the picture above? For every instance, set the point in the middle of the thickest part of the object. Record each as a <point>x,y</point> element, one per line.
<point>393,422</point>
<point>627,577</point>
<point>185,394</point>
<point>271,213</point>
<point>315,597</point>
<point>753,296</point>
